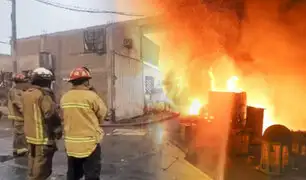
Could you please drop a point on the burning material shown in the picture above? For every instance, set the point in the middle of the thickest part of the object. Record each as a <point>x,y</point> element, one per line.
<point>248,46</point>
<point>228,106</point>
<point>299,150</point>
<point>255,117</point>
<point>267,61</point>
<point>232,83</point>
<point>275,150</point>
<point>299,143</point>
<point>195,107</point>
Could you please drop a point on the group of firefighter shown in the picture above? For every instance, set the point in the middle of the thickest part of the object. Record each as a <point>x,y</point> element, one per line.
<point>39,122</point>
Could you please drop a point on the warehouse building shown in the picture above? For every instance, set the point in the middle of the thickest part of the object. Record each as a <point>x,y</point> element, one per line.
<point>113,52</point>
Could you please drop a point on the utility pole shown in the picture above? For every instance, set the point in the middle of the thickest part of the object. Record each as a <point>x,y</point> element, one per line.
<point>43,38</point>
<point>14,37</point>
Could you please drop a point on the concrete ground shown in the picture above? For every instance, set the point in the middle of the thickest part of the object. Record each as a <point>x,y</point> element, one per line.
<point>142,153</point>
<point>138,153</point>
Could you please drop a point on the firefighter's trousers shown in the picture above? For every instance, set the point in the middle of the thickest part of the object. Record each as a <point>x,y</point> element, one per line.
<point>89,167</point>
<point>19,143</point>
<point>40,161</point>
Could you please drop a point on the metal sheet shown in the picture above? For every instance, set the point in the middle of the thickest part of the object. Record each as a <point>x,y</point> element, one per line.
<point>129,91</point>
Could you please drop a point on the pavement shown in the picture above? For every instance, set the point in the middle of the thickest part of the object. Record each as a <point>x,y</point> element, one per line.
<point>142,120</point>
<point>129,153</point>
<point>149,152</point>
<point>3,111</point>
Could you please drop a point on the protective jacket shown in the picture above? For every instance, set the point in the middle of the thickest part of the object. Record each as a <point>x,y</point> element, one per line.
<point>15,106</point>
<point>42,121</point>
<point>83,110</point>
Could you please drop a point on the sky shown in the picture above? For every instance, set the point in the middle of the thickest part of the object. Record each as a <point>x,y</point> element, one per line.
<point>34,18</point>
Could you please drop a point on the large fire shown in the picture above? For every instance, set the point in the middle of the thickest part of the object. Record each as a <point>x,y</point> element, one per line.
<point>258,49</point>
<point>232,85</point>
<point>255,101</point>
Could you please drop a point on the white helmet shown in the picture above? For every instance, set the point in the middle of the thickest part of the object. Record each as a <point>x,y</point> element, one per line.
<point>42,73</point>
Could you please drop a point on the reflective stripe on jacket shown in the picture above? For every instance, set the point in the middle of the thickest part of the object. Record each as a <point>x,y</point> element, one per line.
<point>37,107</point>
<point>83,111</point>
<point>15,118</point>
<point>15,104</point>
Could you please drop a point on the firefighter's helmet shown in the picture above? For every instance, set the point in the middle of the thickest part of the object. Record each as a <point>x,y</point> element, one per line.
<point>19,78</point>
<point>86,68</point>
<point>79,74</point>
<point>42,74</point>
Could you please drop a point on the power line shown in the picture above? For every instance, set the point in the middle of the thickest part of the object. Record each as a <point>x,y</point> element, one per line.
<point>80,9</point>
<point>5,42</point>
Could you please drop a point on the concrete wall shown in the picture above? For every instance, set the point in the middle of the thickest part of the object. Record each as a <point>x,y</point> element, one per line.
<point>128,92</point>
<point>6,63</point>
<point>68,48</point>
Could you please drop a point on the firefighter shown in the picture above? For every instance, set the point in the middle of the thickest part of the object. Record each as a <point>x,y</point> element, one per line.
<point>16,114</point>
<point>107,118</point>
<point>83,111</point>
<point>42,124</point>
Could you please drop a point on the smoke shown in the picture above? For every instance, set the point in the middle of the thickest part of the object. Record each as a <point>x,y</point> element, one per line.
<point>263,40</point>
<point>272,34</point>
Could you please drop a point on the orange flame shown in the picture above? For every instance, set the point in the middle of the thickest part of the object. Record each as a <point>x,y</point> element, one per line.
<point>195,41</point>
<point>253,99</point>
<point>195,107</point>
<point>232,84</point>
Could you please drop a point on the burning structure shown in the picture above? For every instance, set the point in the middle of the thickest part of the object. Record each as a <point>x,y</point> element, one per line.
<point>257,44</point>
<point>229,128</point>
<point>250,46</point>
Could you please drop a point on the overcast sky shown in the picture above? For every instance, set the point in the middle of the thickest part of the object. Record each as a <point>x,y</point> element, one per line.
<point>35,18</point>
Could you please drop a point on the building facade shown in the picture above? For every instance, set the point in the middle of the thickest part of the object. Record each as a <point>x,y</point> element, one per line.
<point>6,64</point>
<point>112,52</point>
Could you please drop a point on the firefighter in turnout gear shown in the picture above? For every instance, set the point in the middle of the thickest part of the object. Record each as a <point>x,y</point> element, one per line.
<point>16,114</point>
<point>42,124</point>
<point>83,111</point>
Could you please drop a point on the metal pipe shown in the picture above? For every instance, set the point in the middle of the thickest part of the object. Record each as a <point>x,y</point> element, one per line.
<point>14,37</point>
<point>142,63</point>
<point>113,81</point>
<point>115,52</point>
